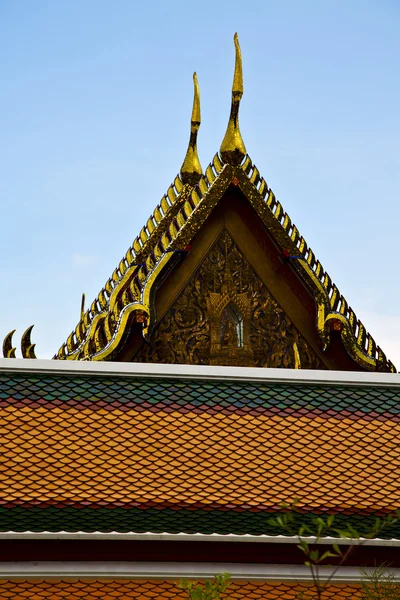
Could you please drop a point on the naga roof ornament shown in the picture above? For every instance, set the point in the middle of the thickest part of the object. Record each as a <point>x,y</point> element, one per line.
<point>191,170</point>
<point>232,148</point>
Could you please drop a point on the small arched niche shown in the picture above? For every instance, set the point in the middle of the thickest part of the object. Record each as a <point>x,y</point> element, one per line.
<point>231,327</point>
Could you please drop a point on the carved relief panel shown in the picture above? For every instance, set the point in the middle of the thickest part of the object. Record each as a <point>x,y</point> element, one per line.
<point>226,316</point>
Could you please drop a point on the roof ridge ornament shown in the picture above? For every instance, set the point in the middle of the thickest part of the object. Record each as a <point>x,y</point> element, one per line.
<point>191,170</point>
<point>8,349</point>
<point>27,348</point>
<point>83,306</point>
<point>232,148</point>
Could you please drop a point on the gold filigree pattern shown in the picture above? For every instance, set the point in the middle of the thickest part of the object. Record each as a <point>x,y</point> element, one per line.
<point>225,315</point>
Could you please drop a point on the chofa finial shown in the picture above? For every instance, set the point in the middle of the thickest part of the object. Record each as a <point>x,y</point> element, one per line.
<point>191,170</point>
<point>232,148</point>
<point>27,348</point>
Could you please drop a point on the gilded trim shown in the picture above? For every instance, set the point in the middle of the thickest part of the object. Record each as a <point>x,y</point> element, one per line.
<point>331,305</point>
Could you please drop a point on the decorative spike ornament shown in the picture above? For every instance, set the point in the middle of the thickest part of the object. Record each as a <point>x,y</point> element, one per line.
<point>83,307</point>
<point>27,348</point>
<point>8,350</point>
<point>232,148</point>
<point>191,170</point>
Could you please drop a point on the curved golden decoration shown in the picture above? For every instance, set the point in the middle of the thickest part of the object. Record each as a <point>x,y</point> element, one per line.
<point>331,305</point>
<point>151,239</point>
<point>141,263</point>
<point>132,292</point>
<point>30,352</point>
<point>83,306</point>
<point>8,350</point>
<point>232,148</point>
<point>350,343</point>
<point>191,170</point>
<point>27,348</point>
<point>297,360</point>
<point>109,351</point>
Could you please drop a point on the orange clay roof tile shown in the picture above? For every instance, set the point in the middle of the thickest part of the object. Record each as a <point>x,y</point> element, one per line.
<point>139,447</point>
<point>107,589</point>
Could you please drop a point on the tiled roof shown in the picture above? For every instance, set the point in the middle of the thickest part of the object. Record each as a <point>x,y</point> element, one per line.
<point>107,589</point>
<point>115,453</point>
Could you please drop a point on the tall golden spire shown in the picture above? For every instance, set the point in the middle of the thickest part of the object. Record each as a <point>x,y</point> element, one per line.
<point>191,170</point>
<point>232,148</point>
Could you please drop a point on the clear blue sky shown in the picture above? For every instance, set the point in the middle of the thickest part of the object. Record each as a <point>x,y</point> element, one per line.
<point>94,119</point>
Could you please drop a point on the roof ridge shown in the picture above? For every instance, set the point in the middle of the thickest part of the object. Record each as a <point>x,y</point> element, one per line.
<point>338,308</point>
<point>140,249</point>
<point>147,250</point>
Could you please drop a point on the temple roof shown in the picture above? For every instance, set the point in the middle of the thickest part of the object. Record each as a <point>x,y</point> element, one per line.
<point>204,450</point>
<point>128,295</point>
<point>180,214</point>
<point>170,229</point>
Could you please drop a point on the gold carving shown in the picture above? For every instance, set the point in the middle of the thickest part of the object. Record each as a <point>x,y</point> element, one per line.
<point>226,316</point>
<point>229,314</point>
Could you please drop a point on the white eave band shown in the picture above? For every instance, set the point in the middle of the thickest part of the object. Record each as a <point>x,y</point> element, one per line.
<point>191,537</point>
<point>172,570</point>
<point>202,372</point>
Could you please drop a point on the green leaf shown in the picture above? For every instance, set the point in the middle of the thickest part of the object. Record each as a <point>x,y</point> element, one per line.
<point>198,593</point>
<point>342,533</point>
<point>304,549</point>
<point>337,549</point>
<point>304,529</point>
<point>328,554</point>
<point>330,520</point>
<point>353,533</point>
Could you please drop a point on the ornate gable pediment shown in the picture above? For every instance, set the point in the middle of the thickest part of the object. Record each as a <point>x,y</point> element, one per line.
<point>226,315</point>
